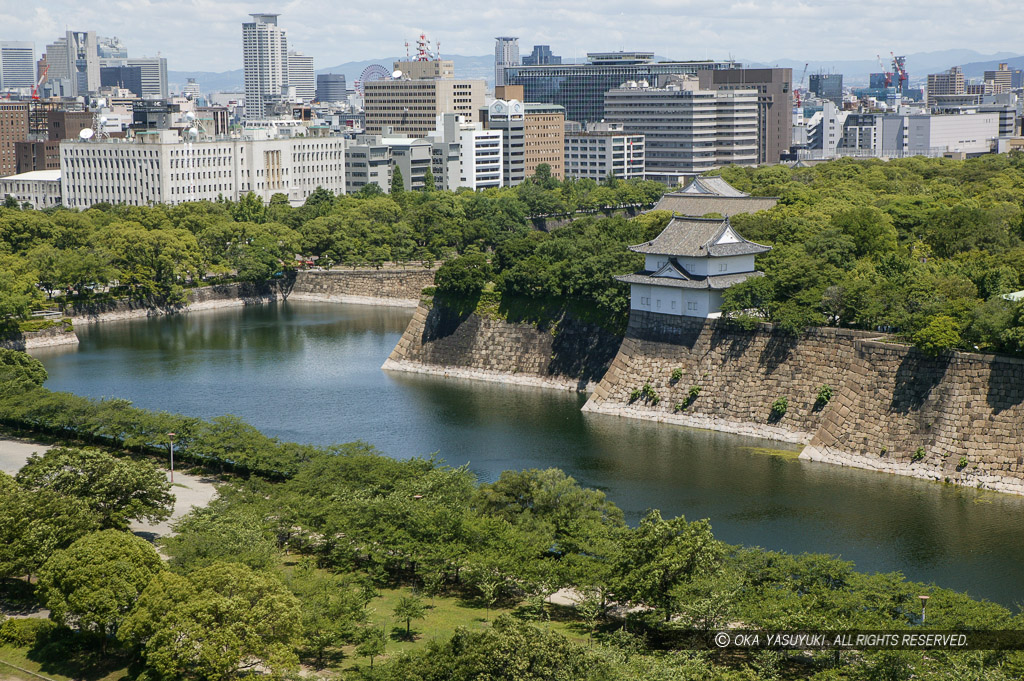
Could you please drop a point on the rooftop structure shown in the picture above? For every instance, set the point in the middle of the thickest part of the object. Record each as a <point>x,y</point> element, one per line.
<point>712,194</point>
<point>580,88</point>
<point>688,265</point>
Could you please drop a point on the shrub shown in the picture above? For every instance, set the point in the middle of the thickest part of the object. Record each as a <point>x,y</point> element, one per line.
<point>779,407</point>
<point>962,463</point>
<point>463,277</point>
<point>648,394</point>
<point>23,632</point>
<point>634,395</point>
<point>942,332</point>
<point>918,454</point>
<point>824,395</point>
<point>679,406</point>
<point>693,392</point>
<point>677,373</point>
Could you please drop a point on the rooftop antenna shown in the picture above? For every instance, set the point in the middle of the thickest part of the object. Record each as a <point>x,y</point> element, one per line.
<point>407,56</point>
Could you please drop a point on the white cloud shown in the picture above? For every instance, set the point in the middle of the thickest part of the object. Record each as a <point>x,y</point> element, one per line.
<point>206,34</point>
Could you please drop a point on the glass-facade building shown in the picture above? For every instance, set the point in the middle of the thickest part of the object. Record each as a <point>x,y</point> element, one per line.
<point>580,88</point>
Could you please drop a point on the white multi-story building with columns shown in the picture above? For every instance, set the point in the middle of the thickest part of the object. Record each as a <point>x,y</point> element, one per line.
<point>162,166</point>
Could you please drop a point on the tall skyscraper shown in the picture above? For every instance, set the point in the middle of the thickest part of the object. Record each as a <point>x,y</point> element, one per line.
<point>301,75</point>
<point>154,76</point>
<point>265,59</point>
<point>330,87</point>
<point>17,64</point>
<point>506,53</point>
<point>75,58</point>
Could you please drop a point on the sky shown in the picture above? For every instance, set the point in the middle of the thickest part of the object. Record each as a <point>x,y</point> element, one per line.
<point>205,35</point>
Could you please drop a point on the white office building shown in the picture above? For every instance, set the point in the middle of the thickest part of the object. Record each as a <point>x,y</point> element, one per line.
<point>509,116</point>
<point>302,76</point>
<point>160,166</point>
<point>17,64</point>
<point>39,188</point>
<point>265,59</point>
<point>687,130</point>
<point>603,150</point>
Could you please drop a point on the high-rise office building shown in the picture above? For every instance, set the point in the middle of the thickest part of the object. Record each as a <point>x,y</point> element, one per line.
<point>154,76</point>
<point>111,51</point>
<point>946,83</point>
<point>192,89</point>
<point>774,104</point>
<point>411,106</point>
<point>541,56</point>
<point>126,77</point>
<point>827,86</point>
<point>265,59</point>
<point>506,54</point>
<point>301,75</point>
<point>75,58</point>
<point>580,88</point>
<point>544,138</point>
<point>509,117</point>
<point>533,134</point>
<point>1001,79</point>
<point>687,130</point>
<point>330,87</point>
<point>603,150</point>
<point>17,64</point>
<point>13,128</point>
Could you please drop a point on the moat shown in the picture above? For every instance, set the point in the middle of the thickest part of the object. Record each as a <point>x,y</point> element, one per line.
<point>310,372</point>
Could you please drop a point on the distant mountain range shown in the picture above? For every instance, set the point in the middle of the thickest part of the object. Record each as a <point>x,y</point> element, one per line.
<point>855,72</point>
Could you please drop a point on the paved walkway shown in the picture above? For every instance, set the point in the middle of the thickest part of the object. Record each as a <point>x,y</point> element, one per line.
<point>189,491</point>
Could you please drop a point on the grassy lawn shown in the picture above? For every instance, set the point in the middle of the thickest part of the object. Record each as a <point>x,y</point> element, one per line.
<point>19,657</point>
<point>444,614</point>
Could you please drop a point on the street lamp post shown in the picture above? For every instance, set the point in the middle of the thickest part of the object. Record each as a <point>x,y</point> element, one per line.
<point>924,604</point>
<point>171,436</point>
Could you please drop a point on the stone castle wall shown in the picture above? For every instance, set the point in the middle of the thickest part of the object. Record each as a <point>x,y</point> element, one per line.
<point>55,335</point>
<point>374,287</point>
<point>893,408</point>
<point>569,354</point>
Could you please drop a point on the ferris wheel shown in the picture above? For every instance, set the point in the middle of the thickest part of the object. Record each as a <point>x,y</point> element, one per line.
<point>371,73</point>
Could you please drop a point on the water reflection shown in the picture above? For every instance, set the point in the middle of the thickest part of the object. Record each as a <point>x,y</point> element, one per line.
<point>310,372</point>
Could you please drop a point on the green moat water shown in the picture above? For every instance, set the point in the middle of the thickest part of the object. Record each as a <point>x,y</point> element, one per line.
<point>310,372</point>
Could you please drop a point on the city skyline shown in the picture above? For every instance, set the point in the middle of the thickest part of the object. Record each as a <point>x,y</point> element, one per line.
<point>758,30</point>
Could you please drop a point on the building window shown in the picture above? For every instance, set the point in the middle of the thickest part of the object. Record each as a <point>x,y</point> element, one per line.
<point>723,267</point>
<point>691,305</point>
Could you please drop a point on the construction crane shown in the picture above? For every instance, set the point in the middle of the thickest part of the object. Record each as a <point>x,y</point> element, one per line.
<point>888,74</point>
<point>796,90</point>
<point>42,79</point>
<point>899,66</point>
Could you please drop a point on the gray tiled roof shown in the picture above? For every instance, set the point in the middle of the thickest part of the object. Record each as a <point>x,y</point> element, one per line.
<point>713,185</point>
<point>702,204</point>
<point>720,281</point>
<point>697,238</point>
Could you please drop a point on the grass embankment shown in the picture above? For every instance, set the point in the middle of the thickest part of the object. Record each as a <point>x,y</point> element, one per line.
<point>47,668</point>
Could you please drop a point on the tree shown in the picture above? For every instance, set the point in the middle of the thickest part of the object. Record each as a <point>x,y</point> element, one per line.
<point>34,525</point>
<point>942,332</point>
<point>96,581</point>
<point>332,607</point>
<point>117,490</point>
<point>215,623</point>
<point>410,608</point>
<point>428,181</point>
<point>26,365</point>
<point>463,277</point>
<point>372,644</point>
<point>659,555</point>
<point>397,183</point>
